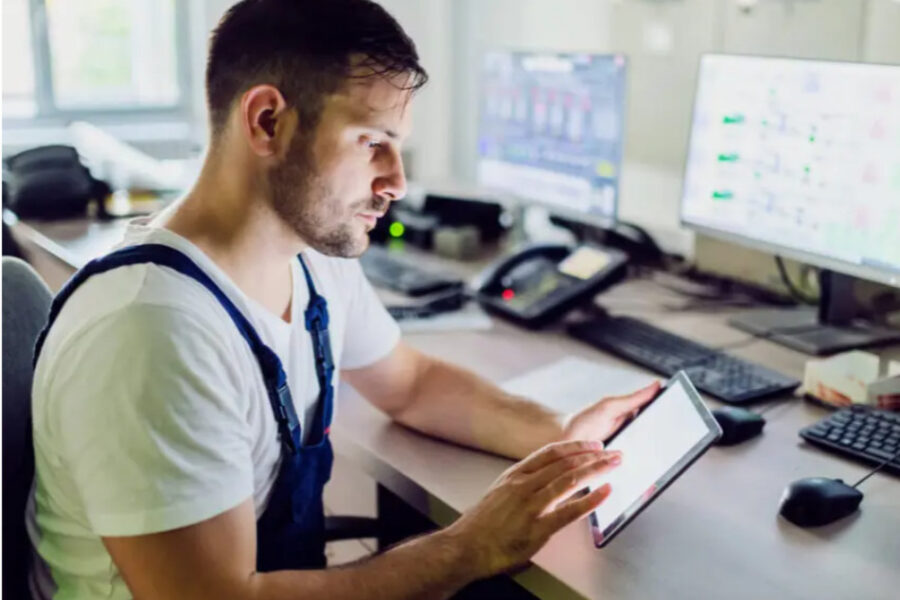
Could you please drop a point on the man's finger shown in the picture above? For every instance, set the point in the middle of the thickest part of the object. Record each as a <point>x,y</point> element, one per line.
<point>556,451</point>
<point>570,464</point>
<point>566,483</point>
<point>576,508</point>
<point>636,400</point>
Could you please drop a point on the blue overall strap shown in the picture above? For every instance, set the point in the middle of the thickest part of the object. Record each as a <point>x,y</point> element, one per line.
<point>316,318</point>
<point>166,256</point>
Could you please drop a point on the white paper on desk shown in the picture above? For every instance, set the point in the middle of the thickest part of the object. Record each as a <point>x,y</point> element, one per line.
<point>469,318</point>
<point>571,383</point>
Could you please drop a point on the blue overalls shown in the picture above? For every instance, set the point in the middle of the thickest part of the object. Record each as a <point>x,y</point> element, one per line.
<point>291,532</point>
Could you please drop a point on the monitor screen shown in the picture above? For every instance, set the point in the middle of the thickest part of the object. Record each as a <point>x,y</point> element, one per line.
<point>801,158</point>
<point>551,128</point>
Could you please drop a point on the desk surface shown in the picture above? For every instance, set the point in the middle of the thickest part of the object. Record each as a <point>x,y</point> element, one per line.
<point>712,534</point>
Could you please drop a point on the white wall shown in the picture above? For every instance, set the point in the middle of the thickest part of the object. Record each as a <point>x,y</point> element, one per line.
<point>428,24</point>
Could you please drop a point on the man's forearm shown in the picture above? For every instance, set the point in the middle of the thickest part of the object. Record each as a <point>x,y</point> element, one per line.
<point>455,404</point>
<point>433,566</point>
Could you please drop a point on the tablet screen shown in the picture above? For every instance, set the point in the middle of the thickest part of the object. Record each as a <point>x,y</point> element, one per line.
<point>668,435</point>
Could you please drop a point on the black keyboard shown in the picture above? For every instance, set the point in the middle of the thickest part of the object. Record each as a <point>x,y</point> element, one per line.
<point>385,270</point>
<point>728,378</point>
<point>865,434</point>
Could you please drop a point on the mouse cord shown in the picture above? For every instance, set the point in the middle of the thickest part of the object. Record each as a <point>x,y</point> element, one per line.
<point>878,468</point>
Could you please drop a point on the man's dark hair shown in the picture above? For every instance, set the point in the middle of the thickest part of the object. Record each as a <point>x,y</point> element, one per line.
<point>304,48</point>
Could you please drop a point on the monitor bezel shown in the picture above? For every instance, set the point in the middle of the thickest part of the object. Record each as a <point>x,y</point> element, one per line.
<point>513,199</point>
<point>867,272</point>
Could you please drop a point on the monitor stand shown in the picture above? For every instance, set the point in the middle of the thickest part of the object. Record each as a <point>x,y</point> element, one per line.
<point>832,327</point>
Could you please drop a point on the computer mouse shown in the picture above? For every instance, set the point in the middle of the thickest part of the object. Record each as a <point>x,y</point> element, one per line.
<point>738,424</point>
<point>818,501</point>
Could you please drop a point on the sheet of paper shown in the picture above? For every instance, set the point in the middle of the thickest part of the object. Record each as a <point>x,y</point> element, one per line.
<point>572,383</point>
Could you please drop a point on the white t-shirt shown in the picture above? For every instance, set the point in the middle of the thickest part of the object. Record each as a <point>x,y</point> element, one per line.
<point>150,411</point>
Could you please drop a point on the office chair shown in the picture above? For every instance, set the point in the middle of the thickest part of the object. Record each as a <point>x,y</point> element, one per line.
<point>26,304</point>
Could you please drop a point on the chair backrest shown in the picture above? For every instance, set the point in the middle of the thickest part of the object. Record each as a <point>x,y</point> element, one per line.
<point>26,305</point>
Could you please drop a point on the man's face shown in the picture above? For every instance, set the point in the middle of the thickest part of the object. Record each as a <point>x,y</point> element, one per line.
<point>337,181</point>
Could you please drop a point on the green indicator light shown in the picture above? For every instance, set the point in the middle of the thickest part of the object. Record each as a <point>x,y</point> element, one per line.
<point>728,158</point>
<point>733,119</point>
<point>806,169</point>
<point>722,195</point>
<point>396,230</point>
<point>812,138</point>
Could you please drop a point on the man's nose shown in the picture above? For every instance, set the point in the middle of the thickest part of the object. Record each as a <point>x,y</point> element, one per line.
<point>391,183</point>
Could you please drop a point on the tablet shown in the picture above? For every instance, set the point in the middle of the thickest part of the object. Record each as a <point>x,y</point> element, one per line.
<point>657,446</point>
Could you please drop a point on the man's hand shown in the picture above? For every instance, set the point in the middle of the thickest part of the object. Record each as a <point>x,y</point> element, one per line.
<point>599,421</point>
<point>523,508</point>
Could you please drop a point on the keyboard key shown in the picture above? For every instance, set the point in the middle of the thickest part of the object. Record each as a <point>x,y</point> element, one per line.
<point>880,453</point>
<point>819,430</point>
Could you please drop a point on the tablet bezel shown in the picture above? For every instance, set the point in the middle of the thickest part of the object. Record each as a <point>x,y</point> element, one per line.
<point>602,538</point>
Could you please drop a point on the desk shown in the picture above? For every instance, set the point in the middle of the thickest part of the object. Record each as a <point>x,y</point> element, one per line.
<point>714,534</point>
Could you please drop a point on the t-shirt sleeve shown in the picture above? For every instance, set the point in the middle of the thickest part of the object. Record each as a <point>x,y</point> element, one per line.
<point>148,414</point>
<point>372,333</point>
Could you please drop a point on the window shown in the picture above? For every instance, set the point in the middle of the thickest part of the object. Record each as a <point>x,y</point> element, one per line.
<point>65,59</point>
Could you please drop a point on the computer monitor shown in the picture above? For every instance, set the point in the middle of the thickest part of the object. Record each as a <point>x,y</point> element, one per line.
<point>800,158</point>
<point>551,131</point>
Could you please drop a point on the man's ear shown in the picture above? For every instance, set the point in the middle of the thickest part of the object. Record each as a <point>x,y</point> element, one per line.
<point>266,121</point>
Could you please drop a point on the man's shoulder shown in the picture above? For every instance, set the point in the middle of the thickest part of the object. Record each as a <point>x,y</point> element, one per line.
<point>137,302</point>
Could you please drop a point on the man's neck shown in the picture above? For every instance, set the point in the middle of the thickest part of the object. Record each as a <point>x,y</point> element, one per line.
<point>227,216</point>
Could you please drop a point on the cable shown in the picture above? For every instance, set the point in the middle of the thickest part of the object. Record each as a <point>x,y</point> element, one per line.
<point>795,292</point>
<point>878,468</point>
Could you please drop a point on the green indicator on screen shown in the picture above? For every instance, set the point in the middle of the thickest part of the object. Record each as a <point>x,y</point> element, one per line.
<point>722,195</point>
<point>806,169</point>
<point>397,229</point>
<point>728,158</point>
<point>812,138</point>
<point>733,119</point>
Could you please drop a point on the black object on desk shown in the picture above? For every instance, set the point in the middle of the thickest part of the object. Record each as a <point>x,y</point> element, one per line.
<point>738,424</point>
<point>437,304</point>
<point>865,434</point>
<point>817,501</point>
<point>728,378</point>
<point>390,272</point>
<point>49,182</point>
<point>542,282</point>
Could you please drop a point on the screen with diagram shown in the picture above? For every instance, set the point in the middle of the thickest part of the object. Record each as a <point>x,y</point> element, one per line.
<point>798,154</point>
<point>551,129</point>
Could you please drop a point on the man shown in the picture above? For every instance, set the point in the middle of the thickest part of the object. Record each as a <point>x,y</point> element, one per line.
<point>183,395</point>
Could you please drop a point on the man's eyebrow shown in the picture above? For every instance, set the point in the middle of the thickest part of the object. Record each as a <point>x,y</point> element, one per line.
<point>386,131</point>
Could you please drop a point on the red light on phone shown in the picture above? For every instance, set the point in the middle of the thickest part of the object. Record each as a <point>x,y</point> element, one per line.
<point>508,295</point>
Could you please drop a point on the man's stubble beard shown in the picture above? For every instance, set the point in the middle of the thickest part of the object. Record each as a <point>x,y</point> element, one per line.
<point>305,202</point>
